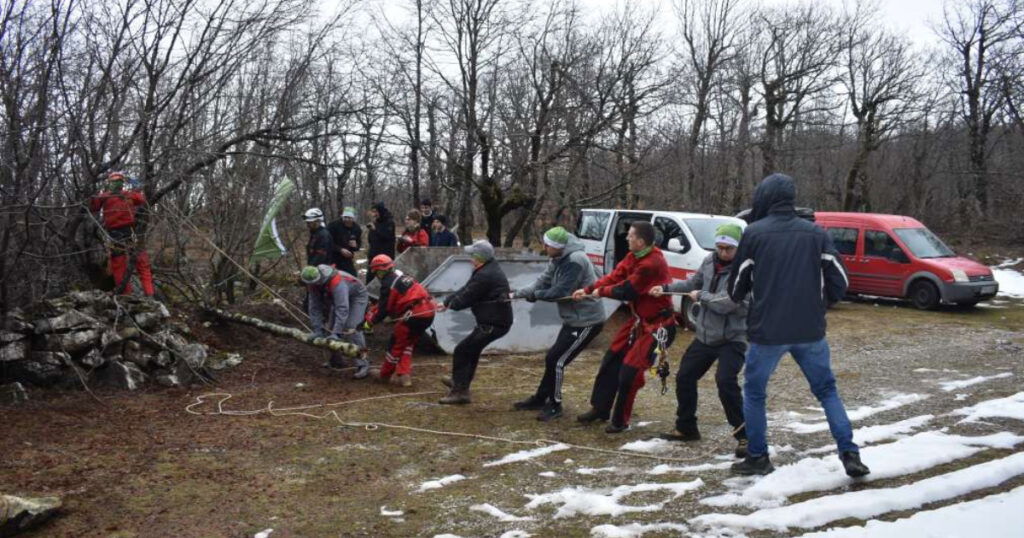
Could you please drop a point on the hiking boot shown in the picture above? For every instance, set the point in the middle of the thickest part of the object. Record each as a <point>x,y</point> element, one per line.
<point>760,465</point>
<point>592,416</point>
<point>741,448</point>
<point>852,464</point>
<point>456,397</point>
<point>362,369</point>
<point>551,411</point>
<point>533,403</point>
<point>616,428</point>
<point>681,435</point>
<point>446,380</point>
<point>403,380</point>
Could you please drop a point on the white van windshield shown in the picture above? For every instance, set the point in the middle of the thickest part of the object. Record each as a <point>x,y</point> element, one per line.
<point>592,225</point>
<point>923,243</point>
<point>704,230</point>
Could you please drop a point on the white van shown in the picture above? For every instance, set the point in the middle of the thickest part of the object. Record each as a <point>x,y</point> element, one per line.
<point>685,238</point>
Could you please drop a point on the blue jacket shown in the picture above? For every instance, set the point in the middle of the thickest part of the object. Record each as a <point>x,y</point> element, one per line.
<point>444,238</point>
<point>788,266</point>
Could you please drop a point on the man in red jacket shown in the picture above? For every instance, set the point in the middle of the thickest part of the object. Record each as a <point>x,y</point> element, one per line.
<point>405,300</point>
<point>637,344</point>
<point>118,207</point>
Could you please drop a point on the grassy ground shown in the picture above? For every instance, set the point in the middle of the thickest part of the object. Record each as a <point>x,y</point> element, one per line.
<point>140,465</point>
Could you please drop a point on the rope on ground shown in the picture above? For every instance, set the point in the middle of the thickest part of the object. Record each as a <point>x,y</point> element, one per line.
<point>374,426</point>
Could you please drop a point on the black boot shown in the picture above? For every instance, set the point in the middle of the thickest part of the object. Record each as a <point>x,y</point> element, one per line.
<point>456,397</point>
<point>682,435</point>
<point>532,403</point>
<point>551,411</point>
<point>852,464</point>
<point>750,466</point>
<point>616,428</point>
<point>592,416</point>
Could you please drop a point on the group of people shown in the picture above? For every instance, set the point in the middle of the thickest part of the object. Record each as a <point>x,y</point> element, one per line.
<point>762,293</point>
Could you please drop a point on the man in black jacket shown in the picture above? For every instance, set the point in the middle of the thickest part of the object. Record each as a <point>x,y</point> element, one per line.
<point>487,294</point>
<point>320,245</point>
<point>348,239</point>
<point>794,273</point>
<point>428,216</point>
<point>380,235</point>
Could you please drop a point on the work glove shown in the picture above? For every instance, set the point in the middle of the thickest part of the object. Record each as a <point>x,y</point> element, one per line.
<point>366,327</point>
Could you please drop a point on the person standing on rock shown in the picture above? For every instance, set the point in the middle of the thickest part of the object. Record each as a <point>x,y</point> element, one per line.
<point>380,234</point>
<point>569,269</point>
<point>348,239</point>
<point>407,302</point>
<point>337,305</point>
<point>638,343</point>
<point>792,272</point>
<point>721,336</point>
<point>487,294</point>
<point>118,207</point>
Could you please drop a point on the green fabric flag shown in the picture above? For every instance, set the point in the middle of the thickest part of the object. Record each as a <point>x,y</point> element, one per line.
<point>268,243</point>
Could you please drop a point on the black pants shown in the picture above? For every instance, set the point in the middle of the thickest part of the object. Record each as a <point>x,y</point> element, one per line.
<point>696,361</point>
<point>570,342</point>
<point>618,383</point>
<point>467,353</point>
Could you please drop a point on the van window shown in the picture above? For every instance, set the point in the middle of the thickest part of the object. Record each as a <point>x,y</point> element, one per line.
<point>845,240</point>
<point>704,231</point>
<point>923,243</point>
<point>592,225</point>
<point>879,244</point>
<point>665,229</point>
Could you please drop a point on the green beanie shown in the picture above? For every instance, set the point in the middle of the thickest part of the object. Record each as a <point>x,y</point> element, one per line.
<point>728,234</point>
<point>309,274</point>
<point>556,237</point>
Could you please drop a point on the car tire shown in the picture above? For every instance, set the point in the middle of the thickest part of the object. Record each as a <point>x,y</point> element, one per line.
<point>690,310</point>
<point>924,295</point>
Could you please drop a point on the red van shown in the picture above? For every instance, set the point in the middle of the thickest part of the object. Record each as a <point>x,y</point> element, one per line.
<point>896,256</point>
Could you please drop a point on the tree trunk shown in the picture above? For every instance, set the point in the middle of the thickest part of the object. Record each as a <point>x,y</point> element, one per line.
<point>346,348</point>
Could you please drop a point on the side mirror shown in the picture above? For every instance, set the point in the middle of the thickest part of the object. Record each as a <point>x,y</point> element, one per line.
<point>675,245</point>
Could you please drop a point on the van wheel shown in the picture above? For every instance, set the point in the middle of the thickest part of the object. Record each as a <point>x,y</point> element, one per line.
<point>690,311</point>
<point>924,295</point>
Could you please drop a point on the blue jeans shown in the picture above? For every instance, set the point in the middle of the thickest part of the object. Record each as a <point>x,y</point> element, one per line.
<point>814,361</point>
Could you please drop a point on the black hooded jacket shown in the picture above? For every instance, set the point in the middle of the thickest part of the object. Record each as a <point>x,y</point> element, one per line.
<point>381,238</point>
<point>486,293</point>
<point>788,265</point>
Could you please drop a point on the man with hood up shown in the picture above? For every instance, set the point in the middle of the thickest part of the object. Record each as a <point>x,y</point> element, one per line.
<point>569,270</point>
<point>792,272</point>
<point>380,234</point>
<point>337,305</point>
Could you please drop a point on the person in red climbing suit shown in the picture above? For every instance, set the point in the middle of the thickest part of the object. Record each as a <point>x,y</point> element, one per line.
<point>118,206</point>
<point>637,344</point>
<point>405,300</point>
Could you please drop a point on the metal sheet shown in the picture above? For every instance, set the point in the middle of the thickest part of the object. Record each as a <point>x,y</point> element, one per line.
<point>535,325</point>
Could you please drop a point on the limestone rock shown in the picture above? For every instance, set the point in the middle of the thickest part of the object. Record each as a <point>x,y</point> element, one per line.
<point>42,368</point>
<point>93,359</point>
<point>72,319</point>
<point>21,513</point>
<point>224,360</point>
<point>15,351</point>
<point>72,342</point>
<point>124,375</point>
<point>13,393</point>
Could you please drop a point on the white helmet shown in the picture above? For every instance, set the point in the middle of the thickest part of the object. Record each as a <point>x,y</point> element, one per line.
<point>313,214</point>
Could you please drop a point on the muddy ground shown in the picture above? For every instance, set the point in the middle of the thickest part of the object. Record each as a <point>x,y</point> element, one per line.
<point>138,464</point>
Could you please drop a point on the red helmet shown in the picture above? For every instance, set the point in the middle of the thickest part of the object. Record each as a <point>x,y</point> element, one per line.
<point>382,262</point>
<point>115,176</point>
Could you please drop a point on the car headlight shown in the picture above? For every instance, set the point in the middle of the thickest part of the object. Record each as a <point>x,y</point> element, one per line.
<point>960,276</point>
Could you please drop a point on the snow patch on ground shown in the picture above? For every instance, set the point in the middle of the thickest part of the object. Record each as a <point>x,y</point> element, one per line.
<point>265,533</point>
<point>905,456</point>
<point>1009,407</point>
<point>650,446</point>
<point>998,515</point>
<point>440,482</point>
<point>601,502</point>
<point>1011,282</point>
<point>524,455</point>
<point>664,468</point>
<point>873,502</point>
<point>881,432</point>
<point>516,534</point>
<point>548,474</point>
<point>859,413</point>
<point>634,530</point>
<point>503,516</point>
<point>593,470</point>
<point>390,513</point>
<point>950,386</point>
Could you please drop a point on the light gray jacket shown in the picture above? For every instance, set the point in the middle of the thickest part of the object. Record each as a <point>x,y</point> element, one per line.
<point>720,320</point>
<point>564,275</point>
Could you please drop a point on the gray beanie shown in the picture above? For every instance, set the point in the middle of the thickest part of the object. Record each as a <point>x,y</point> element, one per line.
<point>481,250</point>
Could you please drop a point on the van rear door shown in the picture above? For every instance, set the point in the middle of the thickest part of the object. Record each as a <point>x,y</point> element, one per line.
<point>592,229</point>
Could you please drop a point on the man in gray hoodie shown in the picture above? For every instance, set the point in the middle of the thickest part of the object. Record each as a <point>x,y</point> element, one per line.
<point>721,335</point>
<point>582,321</point>
<point>337,305</point>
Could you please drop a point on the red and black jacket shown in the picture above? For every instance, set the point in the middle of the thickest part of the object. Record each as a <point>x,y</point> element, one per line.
<point>419,238</point>
<point>632,278</point>
<point>118,208</point>
<point>400,293</point>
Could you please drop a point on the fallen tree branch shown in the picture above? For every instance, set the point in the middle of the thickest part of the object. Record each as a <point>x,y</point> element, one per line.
<point>346,348</point>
